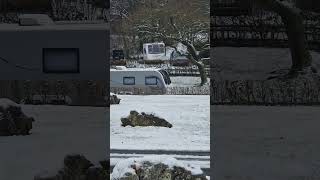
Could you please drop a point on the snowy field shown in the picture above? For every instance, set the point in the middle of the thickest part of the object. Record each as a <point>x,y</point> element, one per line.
<point>188,140</point>
<point>57,131</point>
<point>256,142</point>
<point>235,63</point>
<point>189,115</point>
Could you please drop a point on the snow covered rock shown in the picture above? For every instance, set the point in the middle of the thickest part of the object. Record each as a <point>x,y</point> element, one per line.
<point>114,99</point>
<point>77,167</point>
<point>12,120</point>
<point>143,119</point>
<point>155,167</point>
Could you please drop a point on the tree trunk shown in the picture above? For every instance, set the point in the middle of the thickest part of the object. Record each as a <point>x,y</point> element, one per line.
<point>293,22</point>
<point>300,55</point>
<point>194,58</point>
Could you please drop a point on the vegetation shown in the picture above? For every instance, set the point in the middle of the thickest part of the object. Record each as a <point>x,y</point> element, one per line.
<point>57,9</point>
<point>172,21</point>
<point>292,19</point>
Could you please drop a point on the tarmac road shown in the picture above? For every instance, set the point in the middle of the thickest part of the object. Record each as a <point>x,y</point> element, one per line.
<point>264,142</point>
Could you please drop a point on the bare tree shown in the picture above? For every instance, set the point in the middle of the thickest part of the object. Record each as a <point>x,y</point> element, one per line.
<point>293,21</point>
<point>173,22</point>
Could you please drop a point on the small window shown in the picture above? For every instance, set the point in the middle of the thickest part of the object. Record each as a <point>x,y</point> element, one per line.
<point>150,50</point>
<point>129,81</point>
<point>156,49</point>
<point>151,81</point>
<point>162,50</point>
<point>60,60</point>
<point>144,51</point>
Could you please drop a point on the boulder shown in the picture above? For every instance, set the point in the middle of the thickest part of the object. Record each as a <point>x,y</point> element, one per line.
<point>155,167</point>
<point>114,99</point>
<point>143,119</point>
<point>12,120</point>
<point>77,167</point>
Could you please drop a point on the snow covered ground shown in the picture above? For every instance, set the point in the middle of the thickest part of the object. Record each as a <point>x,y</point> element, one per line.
<point>241,63</point>
<point>57,131</point>
<point>258,142</point>
<point>189,115</point>
<point>188,140</point>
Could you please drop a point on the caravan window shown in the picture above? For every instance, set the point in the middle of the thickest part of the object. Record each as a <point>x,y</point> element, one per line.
<point>60,60</point>
<point>161,48</point>
<point>156,49</point>
<point>150,50</point>
<point>129,81</point>
<point>151,80</point>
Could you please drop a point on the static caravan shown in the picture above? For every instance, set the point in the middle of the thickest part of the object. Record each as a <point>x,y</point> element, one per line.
<point>138,81</point>
<point>154,51</point>
<point>38,48</point>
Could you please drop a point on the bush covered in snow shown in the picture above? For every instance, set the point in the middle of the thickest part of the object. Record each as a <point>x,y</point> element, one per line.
<point>155,167</point>
<point>143,119</point>
<point>114,99</point>
<point>12,120</point>
<point>77,167</point>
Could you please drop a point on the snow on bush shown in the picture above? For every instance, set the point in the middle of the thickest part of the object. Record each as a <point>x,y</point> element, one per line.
<point>130,166</point>
<point>142,119</point>
<point>113,99</point>
<point>12,120</point>
<point>6,103</point>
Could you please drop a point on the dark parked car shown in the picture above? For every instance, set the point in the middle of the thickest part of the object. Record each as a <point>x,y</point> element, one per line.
<point>180,61</point>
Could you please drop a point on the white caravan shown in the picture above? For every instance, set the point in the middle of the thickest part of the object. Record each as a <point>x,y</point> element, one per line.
<point>138,81</point>
<point>38,48</point>
<point>154,51</point>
